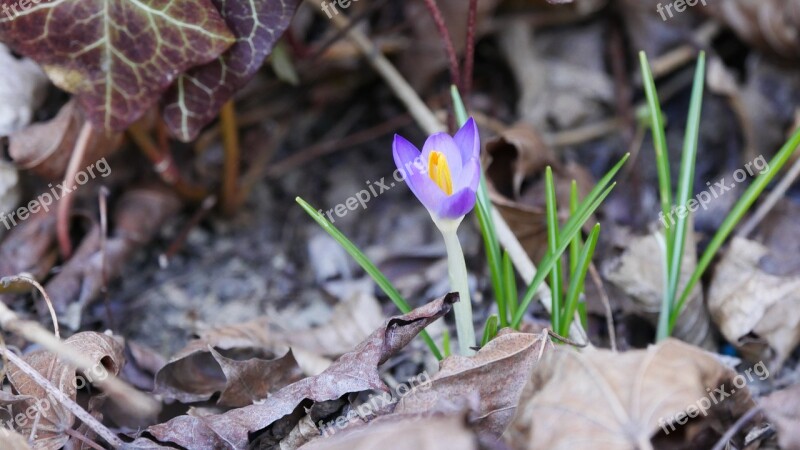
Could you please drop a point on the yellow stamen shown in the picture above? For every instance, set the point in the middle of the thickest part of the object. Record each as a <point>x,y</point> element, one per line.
<point>439,172</point>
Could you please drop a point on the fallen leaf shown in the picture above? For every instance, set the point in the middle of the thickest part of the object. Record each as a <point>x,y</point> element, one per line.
<point>496,374</point>
<point>195,374</point>
<point>599,399</point>
<point>783,411</point>
<point>354,372</point>
<point>638,272</point>
<point>54,418</point>
<point>123,55</point>
<point>46,147</point>
<point>23,86</point>
<point>197,95</point>
<point>752,307</point>
<point>410,432</point>
<point>770,25</point>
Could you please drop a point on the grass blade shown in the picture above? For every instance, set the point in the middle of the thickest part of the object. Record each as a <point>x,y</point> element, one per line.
<point>368,266</point>
<point>685,186</point>
<point>733,218</point>
<point>576,283</point>
<point>490,330</point>
<point>552,243</point>
<point>659,143</point>
<point>550,259</point>
<point>575,245</point>
<point>510,285</point>
<point>446,343</point>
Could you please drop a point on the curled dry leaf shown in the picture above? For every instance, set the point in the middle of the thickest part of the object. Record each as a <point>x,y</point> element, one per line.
<point>82,278</point>
<point>403,432</point>
<point>747,302</point>
<point>29,246</point>
<point>116,77</point>
<point>495,375</point>
<point>273,419</point>
<point>197,95</point>
<point>46,147</point>
<point>639,273</point>
<point>23,86</point>
<point>598,399</point>
<point>783,411</point>
<point>771,25</point>
<point>104,350</point>
<point>195,373</point>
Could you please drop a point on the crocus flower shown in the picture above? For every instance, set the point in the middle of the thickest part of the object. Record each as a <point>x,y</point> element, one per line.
<point>445,175</point>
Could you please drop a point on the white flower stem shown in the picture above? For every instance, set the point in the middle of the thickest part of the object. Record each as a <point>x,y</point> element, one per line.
<point>457,269</point>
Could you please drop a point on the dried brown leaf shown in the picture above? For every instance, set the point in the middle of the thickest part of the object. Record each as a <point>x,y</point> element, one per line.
<point>783,411</point>
<point>751,305</point>
<point>356,371</point>
<point>496,375</point>
<point>46,147</point>
<point>638,272</point>
<point>11,440</point>
<point>194,374</point>
<point>403,433</point>
<point>599,399</point>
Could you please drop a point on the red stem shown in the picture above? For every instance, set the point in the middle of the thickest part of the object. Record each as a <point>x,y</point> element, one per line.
<point>469,57</point>
<point>436,14</point>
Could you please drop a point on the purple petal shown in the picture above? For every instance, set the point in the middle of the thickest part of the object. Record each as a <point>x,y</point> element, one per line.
<point>443,143</point>
<point>470,176</point>
<point>408,161</point>
<point>457,205</point>
<point>468,141</point>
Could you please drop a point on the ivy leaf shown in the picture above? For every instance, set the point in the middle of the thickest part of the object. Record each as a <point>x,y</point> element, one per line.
<point>197,96</point>
<point>116,56</point>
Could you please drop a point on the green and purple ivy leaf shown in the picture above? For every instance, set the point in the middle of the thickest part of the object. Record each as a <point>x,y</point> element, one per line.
<point>118,57</point>
<point>197,95</point>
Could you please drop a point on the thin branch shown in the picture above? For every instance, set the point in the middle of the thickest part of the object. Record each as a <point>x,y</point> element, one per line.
<point>24,278</point>
<point>469,56</point>
<point>230,143</point>
<point>736,427</point>
<point>771,200</point>
<point>65,205</point>
<point>444,34</point>
<point>62,398</point>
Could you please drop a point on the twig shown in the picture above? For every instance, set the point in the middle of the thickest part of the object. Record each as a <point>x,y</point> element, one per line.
<point>612,332</point>
<point>771,200</point>
<point>65,205</point>
<point>28,279</point>
<point>469,56</point>
<point>736,427</point>
<point>427,120</point>
<point>180,240</point>
<point>103,207</point>
<point>122,393</point>
<point>444,34</point>
<point>164,164</point>
<point>83,439</point>
<point>62,398</point>
<point>230,172</point>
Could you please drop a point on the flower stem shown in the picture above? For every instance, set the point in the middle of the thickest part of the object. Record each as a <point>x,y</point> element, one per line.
<point>457,269</point>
